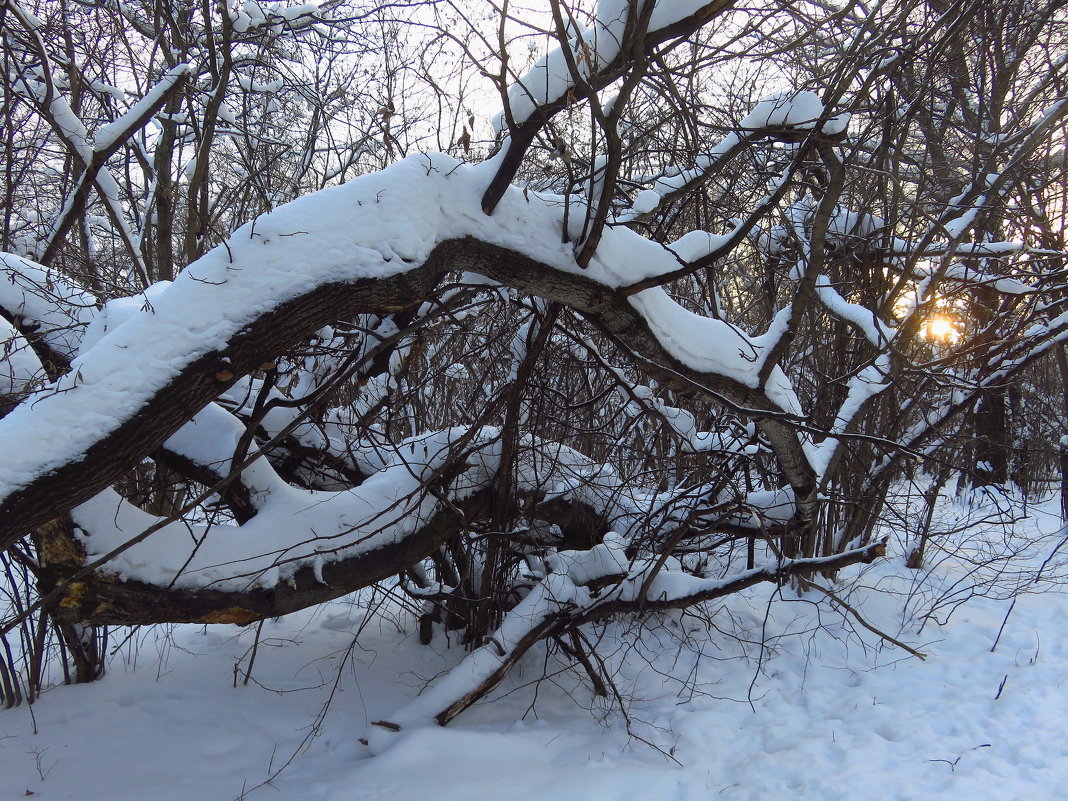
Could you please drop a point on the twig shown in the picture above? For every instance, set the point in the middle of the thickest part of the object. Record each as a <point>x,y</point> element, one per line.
<point>857,616</point>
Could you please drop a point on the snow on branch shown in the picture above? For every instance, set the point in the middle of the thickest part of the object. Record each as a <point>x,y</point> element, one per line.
<point>564,600</point>
<point>47,302</point>
<point>596,49</point>
<point>787,116</point>
<point>110,137</point>
<point>292,528</point>
<point>303,547</point>
<point>93,158</point>
<point>375,244</point>
<point>622,30</point>
<point>20,368</point>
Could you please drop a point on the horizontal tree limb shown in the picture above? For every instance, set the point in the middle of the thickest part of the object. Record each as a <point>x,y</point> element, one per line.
<point>96,597</point>
<point>275,331</point>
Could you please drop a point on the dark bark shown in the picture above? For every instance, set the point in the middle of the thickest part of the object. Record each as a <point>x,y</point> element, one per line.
<point>276,331</point>
<point>992,438</point>
<point>94,597</point>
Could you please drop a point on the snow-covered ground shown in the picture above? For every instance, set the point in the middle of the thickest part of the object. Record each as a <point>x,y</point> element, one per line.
<point>823,714</point>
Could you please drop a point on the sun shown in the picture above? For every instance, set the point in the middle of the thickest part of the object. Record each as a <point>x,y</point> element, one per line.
<point>943,328</point>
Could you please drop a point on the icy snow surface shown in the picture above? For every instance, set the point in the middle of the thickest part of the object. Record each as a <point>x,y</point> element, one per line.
<point>834,717</point>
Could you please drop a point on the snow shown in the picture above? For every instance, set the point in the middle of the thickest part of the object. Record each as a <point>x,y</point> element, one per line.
<point>250,85</point>
<point>584,567</point>
<point>768,507</point>
<point>645,201</point>
<point>106,135</point>
<point>48,299</point>
<point>695,245</point>
<point>792,109</point>
<point>864,386</point>
<point>706,162</point>
<point>964,273</point>
<point>293,527</point>
<point>714,345</point>
<point>784,109</point>
<point>376,226</point>
<point>957,227</point>
<point>253,14</point>
<point>591,48</point>
<point>19,365</point>
<point>834,715</point>
<point>554,593</point>
<point>116,312</point>
<point>70,126</point>
<point>875,330</point>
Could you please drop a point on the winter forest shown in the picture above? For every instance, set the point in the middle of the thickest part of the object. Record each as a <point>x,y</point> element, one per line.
<point>548,347</point>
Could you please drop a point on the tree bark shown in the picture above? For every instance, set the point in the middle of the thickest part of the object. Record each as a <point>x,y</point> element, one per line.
<point>50,493</point>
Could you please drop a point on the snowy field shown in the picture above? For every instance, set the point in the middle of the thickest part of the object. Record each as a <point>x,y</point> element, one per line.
<point>829,714</point>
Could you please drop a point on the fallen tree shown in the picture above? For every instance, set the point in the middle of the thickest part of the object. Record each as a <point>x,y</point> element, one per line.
<point>537,404</point>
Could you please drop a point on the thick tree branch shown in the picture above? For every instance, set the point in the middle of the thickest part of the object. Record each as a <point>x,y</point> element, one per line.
<point>104,461</point>
<point>490,664</point>
<point>97,598</point>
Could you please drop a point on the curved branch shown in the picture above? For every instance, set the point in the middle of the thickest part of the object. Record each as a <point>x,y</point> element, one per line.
<point>555,607</point>
<point>61,475</point>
